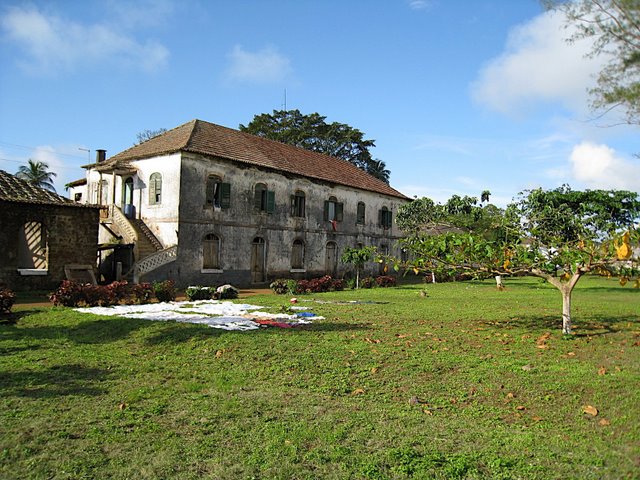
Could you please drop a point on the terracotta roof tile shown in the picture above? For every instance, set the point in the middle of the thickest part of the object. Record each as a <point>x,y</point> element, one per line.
<point>13,189</point>
<point>209,139</point>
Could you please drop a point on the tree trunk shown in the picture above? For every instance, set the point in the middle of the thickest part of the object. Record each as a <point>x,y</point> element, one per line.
<point>565,289</point>
<point>566,311</point>
<point>357,278</point>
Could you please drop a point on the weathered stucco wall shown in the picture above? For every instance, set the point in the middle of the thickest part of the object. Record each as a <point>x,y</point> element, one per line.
<point>238,226</point>
<point>71,236</point>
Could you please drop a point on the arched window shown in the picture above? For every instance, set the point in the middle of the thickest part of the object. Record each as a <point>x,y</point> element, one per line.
<point>333,210</point>
<point>32,246</point>
<point>211,252</point>
<point>127,191</point>
<point>155,189</point>
<point>385,219</point>
<point>298,204</point>
<point>360,214</point>
<point>297,255</point>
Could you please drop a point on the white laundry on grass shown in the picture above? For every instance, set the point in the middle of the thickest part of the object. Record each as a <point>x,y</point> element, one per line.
<point>214,313</point>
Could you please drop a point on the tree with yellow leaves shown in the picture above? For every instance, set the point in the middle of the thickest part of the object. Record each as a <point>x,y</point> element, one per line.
<point>558,235</point>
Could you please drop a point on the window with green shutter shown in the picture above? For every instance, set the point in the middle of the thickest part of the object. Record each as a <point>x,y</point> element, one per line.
<point>264,200</point>
<point>385,218</point>
<point>218,193</point>
<point>298,204</point>
<point>333,210</point>
<point>155,189</point>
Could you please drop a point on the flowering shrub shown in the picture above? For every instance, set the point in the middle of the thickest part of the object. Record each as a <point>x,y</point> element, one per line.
<point>318,285</point>
<point>199,293</point>
<point>120,291</point>
<point>68,294</point>
<point>73,294</point>
<point>165,291</point>
<point>142,292</point>
<point>367,282</point>
<point>7,299</point>
<point>386,281</point>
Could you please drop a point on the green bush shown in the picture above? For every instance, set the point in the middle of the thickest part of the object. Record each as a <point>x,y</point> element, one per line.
<point>198,292</point>
<point>165,291</point>
<point>280,286</point>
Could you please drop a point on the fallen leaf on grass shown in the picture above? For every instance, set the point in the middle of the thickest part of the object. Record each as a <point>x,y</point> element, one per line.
<point>604,422</point>
<point>526,368</point>
<point>369,340</point>
<point>122,406</point>
<point>602,371</point>
<point>536,418</point>
<point>571,354</point>
<point>510,395</point>
<point>357,391</point>
<point>219,353</point>
<point>428,412</point>
<point>521,407</point>
<point>374,370</point>
<point>590,410</point>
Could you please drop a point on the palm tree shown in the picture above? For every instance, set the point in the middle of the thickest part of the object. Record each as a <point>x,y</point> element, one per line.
<point>378,169</point>
<point>485,196</point>
<point>37,173</point>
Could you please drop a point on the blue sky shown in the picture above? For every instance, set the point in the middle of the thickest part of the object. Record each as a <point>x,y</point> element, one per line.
<point>459,95</point>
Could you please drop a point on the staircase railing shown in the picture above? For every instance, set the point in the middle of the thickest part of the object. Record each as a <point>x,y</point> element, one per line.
<point>154,261</point>
<point>126,229</point>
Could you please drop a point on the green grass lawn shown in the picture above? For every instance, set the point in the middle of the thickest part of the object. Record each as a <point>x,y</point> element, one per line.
<point>467,382</point>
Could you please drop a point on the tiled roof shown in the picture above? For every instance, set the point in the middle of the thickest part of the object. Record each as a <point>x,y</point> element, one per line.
<point>13,189</point>
<point>209,139</point>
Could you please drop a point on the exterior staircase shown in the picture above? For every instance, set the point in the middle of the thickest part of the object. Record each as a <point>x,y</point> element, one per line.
<point>148,252</point>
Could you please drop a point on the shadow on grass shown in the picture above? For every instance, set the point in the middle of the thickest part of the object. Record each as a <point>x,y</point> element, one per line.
<point>56,381</point>
<point>584,326</point>
<point>179,332</point>
<point>93,331</point>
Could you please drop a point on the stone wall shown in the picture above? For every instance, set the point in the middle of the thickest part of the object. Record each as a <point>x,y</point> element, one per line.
<point>71,238</point>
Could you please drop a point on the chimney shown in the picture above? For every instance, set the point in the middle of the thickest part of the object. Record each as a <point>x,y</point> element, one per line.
<point>101,155</point>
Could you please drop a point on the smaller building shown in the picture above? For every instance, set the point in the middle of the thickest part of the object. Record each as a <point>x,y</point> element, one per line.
<point>41,232</point>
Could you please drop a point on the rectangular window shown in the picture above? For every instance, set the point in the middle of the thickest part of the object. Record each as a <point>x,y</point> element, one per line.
<point>264,200</point>
<point>333,210</point>
<point>298,204</point>
<point>218,193</point>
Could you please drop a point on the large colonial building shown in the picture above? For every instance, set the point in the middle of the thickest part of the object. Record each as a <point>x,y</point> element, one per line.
<point>205,204</point>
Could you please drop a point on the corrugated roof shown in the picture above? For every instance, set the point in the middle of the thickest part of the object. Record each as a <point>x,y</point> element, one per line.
<point>13,189</point>
<point>198,136</point>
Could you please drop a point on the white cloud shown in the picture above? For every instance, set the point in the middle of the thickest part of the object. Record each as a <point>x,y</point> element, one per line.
<point>599,166</point>
<point>538,65</point>
<point>419,4</point>
<point>264,66</point>
<point>52,44</point>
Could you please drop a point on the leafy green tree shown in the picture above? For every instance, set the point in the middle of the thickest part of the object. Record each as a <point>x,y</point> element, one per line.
<point>148,135</point>
<point>614,25</point>
<point>37,173</point>
<point>312,132</point>
<point>558,235</point>
<point>358,257</point>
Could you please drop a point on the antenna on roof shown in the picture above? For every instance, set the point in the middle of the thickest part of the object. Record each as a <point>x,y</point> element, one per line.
<point>284,105</point>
